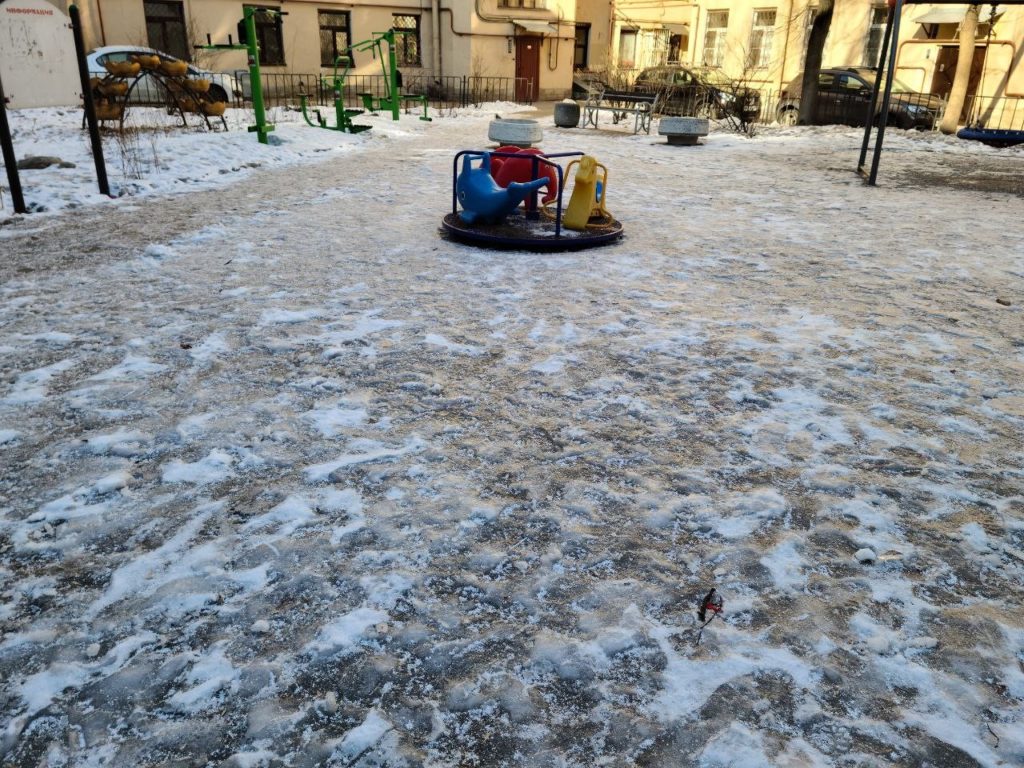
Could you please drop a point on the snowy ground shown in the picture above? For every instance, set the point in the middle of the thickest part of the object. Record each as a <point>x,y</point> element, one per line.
<point>291,481</point>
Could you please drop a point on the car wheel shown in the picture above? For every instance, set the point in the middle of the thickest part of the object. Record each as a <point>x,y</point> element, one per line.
<point>906,122</point>
<point>896,120</point>
<point>217,93</point>
<point>789,117</point>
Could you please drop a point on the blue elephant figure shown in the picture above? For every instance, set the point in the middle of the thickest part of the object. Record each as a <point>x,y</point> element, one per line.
<point>483,200</point>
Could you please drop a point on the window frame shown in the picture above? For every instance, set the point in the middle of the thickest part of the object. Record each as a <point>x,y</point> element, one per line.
<point>876,31</point>
<point>163,22</point>
<point>333,29</point>
<point>810,14</point>
<point>759,56</point>
<point>274,25</point>
<point>714,38</point>
<point>583,45</point>
<point>402,45</point>
<point>635,35</point>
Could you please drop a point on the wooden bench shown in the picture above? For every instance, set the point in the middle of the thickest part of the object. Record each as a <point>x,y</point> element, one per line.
<point>620,104</point>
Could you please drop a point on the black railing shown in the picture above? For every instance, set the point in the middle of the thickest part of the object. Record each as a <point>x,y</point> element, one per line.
<point>1004,113</point>
<point>448,92</point>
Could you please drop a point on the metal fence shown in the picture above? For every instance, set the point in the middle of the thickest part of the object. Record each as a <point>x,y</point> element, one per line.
<point>1002,112</point>
<point>759,104</point>
<point>449,92</point>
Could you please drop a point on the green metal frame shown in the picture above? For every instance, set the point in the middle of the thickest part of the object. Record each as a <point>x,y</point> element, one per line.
<point>392,99</point>
<point>343,116</point>
<point>252,46</point>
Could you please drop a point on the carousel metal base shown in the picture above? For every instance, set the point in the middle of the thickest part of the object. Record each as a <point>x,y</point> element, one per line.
<point>517,233</point>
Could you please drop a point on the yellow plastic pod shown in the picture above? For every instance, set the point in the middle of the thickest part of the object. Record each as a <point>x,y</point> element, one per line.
<point>174,68</point>
<point>122,68</point>
<point>213,108</point>
<point>584,203</point>
<point>146,61</point>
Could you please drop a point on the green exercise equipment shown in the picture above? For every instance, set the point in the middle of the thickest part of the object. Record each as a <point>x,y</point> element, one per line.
<point>392,99</point>
<point>343,115</point>
<point>250,43</point>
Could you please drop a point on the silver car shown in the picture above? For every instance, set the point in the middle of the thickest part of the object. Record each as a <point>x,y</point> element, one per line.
<point>223,87</point>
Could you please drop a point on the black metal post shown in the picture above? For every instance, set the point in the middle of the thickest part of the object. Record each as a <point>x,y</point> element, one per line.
<point>10,161</point>
<point>883,117</point>
<point>875,89</point>
<point>90,107</point>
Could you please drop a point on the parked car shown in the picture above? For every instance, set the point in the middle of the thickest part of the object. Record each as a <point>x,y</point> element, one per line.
<point>844,97</point>
<point>223,87</point>
<point>699,92</point>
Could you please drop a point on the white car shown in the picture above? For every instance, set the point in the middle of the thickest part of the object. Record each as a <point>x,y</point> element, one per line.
<point>223,87</point>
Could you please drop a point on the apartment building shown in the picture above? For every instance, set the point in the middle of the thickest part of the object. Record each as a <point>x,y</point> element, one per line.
<point>542,42</point>
<point>765,42</point>
<point>527,39</point>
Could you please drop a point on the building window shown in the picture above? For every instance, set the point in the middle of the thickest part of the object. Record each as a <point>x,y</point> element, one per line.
<point>810,14</point>
<point>536,4</point>
<point>581,51</point>
<point>408,44</point>
<point>759,56</point>
<point>714,38</point>
<point>165,27</point>
<point>876,30</point>
<point>627,48</point>
<point>268,34</point>
<point>334,36</point>
<point>675,47</point>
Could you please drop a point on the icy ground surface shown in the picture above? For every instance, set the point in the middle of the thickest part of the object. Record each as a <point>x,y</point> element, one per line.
<point>291,481</point>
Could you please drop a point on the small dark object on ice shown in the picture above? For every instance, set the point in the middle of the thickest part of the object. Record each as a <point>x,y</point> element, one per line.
<point>713,604</point>
<point>1004,302</point>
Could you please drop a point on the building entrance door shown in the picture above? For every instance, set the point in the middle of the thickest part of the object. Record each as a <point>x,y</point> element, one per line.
<point>527,67</point>
<point>945,71</point>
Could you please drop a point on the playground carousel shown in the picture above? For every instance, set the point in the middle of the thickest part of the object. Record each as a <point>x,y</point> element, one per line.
<point>497,202</point>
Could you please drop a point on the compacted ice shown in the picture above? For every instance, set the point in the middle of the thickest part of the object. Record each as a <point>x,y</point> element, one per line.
<point>291,481</point>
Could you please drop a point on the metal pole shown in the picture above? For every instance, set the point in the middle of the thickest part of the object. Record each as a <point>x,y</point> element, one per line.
<point>435,39</point>
<point>393,72</point>
<point>254,75</point>
<point>875,89</point>
<point>90,108</point>
<point>883,117</point>
<point>10,161</point>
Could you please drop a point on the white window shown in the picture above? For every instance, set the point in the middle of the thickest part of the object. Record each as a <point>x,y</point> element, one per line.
<point>759,56</point>
<point>876,30</point>
<point>627,48</point>
<point>809,16</point>
<point>714,38</point>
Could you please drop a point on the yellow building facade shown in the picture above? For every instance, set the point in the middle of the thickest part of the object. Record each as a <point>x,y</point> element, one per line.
<point>542,42</point>
<point>528,39</point>
<point>764,43</point>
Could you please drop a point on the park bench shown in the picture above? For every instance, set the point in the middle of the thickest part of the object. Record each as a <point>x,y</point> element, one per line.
<point>620,104</point>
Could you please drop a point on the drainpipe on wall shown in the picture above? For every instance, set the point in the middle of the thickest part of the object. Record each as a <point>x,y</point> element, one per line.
<point>435,38</point>
<point>785,46</point>
<point>695,46</point>
<point>99,15</point>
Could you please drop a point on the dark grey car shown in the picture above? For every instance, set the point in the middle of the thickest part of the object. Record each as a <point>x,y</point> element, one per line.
<point>844,98</point>
<point>699,92</point>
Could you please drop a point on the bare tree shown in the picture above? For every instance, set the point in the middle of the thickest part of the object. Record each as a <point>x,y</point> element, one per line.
<point>815,48</point>
<point>958,94</point>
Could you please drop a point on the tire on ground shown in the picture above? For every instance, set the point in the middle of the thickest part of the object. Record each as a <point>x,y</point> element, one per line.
<point>521,133</point>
